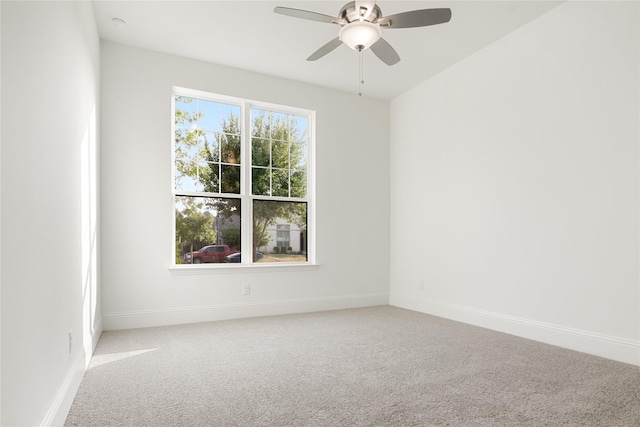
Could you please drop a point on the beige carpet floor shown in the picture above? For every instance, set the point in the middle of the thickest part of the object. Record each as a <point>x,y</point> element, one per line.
<point>379,366</point>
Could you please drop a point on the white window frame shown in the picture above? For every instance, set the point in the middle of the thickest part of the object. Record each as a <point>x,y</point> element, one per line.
<point>246,214</point>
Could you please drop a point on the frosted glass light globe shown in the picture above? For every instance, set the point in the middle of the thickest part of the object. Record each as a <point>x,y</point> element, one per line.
<point>360,35</point>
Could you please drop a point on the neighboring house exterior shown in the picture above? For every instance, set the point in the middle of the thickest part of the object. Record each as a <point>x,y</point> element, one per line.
<point>285,234</point>
<point>222,226</point>
<point>282,234</point>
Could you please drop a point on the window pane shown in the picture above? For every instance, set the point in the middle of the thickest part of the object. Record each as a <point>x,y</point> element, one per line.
<point>211,178</point>
<point>231,149</point>
<point>260,153</point>
<point>185,175</point>
<point>193,176</point>
<point>186,115</point>
<point>209,115</point>
<point>299,132</point>
<point>230,182</point>
<point>218,117</point>
<point>260,123</point>
<point>280,230</point>
<point>189,143</point>
<point>280,183</point>
<point>207,229</point>
<point>260,182</point>
<point>298,184</point>
<point>211,147</point>
<point>207,133</point>
<point>206,175</point>
<point>230,115</point>
<point>280,129</point>
<point>298,155</point>
<point>280,154</point>
<point>186,143</point>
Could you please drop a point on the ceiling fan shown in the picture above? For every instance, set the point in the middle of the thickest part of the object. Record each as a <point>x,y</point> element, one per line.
<point>361,25</point>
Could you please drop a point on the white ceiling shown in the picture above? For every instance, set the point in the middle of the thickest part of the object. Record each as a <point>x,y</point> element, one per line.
<point>250,36</point>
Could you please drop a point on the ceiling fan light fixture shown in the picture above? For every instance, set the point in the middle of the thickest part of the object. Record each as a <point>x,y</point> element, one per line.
<point>361,24</point>
<point>360,35</point>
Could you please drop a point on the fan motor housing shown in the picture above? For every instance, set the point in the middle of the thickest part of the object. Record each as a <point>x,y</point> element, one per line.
<point>350,14</point>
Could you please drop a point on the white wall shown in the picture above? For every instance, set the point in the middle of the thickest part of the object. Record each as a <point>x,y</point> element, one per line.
<point>352,198</point>
<point>0,223</point>
<point>50,76</point>
<point>515,184</point>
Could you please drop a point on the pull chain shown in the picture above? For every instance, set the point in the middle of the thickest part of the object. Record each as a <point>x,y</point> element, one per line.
<point>361,73</point>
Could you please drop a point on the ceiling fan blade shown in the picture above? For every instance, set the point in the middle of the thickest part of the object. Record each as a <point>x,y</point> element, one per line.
<point>417,18</point>
<point>325,49</point>
<point>305,14</point>
<point>387,54</point>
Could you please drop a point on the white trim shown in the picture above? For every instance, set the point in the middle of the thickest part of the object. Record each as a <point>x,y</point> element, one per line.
<point>182,315</point>
<point>59,409</point>
<point>224,268</point>
<point>246,204</point>
<point>611,347</point>
<point>311,188</point>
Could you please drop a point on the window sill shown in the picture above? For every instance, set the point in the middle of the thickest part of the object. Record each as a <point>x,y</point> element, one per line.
<point>204,269</point>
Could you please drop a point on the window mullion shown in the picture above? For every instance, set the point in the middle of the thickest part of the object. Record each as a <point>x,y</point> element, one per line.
<point>245,185</point>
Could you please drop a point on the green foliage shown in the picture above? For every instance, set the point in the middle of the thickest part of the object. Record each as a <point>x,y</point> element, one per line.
<point>278,156</point>
<point>192,224</point>
<point>223,159</point>
<point>187,142</point>
<point>231,237</point>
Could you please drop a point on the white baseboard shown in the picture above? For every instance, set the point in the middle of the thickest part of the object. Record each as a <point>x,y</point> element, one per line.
<point>610,347</point>
<point>182,315</point>
<point>59,409</point>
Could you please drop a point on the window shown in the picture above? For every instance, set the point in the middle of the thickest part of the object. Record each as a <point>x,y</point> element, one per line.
<point>242,180</point>
<point>283,235</point>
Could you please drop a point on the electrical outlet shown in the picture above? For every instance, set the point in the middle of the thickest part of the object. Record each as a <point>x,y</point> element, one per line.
<point>70,341</point>
<point>246,289</point>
